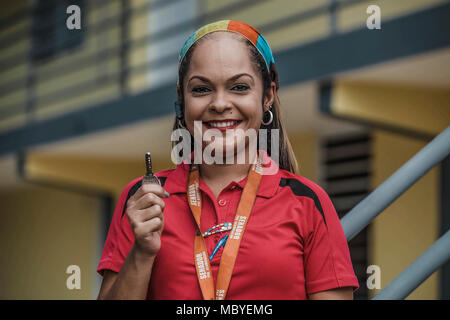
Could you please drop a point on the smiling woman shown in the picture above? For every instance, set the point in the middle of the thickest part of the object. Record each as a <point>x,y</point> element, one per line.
<point>246,58</point>
<point>227,230</point>
<point>233,94</point>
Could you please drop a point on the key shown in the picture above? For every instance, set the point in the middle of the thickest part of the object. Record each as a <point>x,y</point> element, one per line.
<point>149,176</point>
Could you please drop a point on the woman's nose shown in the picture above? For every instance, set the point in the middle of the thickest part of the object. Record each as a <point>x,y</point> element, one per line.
<point>220,103</point>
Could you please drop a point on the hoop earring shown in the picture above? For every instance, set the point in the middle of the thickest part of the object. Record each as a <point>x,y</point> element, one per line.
<point>270,115</point>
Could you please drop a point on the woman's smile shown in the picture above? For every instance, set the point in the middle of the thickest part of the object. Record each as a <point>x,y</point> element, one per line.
<point>222,125</point>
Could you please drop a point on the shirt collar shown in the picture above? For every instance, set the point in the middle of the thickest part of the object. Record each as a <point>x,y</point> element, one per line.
<point>176,181</point>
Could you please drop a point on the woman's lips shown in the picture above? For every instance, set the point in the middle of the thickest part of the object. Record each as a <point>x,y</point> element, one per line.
<point>222,125</point>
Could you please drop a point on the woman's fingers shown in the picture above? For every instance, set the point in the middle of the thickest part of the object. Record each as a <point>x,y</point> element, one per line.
<point>149,188</point>
<point>147,200</point>
<point>150,213</point>
<point>145,229</point>
<point>154,224</point>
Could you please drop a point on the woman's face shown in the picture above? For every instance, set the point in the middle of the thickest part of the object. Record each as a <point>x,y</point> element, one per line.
<point>223,90</point>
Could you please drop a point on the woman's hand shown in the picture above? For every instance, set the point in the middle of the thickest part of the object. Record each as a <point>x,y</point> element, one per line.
<point>145,213</point>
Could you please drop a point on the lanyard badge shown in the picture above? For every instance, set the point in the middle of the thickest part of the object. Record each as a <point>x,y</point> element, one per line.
<point>230,251</point>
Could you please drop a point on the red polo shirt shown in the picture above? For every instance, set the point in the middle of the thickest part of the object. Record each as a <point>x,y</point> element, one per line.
<point>293,244</point>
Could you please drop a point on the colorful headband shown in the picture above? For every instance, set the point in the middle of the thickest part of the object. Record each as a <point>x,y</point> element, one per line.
<point>253,35</point>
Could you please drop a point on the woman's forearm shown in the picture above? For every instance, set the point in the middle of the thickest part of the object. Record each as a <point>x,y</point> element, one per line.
<point>131,283</point>
<point>344,293</point>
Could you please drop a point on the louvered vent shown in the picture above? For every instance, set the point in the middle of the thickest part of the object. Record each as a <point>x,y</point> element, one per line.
<point>347,181</point>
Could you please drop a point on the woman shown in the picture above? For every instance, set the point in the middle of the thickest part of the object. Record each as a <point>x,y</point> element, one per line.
<point>227,231</point>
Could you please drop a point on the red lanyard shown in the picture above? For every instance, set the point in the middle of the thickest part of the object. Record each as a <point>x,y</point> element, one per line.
<point>229,254</point>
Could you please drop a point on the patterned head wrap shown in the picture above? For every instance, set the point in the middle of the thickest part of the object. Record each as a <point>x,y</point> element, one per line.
<point>253,35</point>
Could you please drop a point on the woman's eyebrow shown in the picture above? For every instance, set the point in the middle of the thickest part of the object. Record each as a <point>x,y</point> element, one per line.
<point>235,77</point>
<point>200,78</point>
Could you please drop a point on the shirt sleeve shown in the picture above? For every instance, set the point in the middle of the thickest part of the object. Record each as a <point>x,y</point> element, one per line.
<point>120,237</point>
<point>327,257</point>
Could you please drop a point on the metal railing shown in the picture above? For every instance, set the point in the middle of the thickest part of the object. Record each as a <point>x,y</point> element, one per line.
<point>369,208</point>
<point>418,271</point>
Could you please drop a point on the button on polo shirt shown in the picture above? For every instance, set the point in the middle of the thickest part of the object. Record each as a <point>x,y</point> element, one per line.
<point>293,245</point>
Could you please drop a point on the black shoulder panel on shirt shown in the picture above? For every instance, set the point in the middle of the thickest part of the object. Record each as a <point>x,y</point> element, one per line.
<point>300,189</point>
<point>135,188</point>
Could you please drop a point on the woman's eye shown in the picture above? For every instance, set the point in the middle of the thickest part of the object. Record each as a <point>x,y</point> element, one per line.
<point>200,89</point>
<point>240,87</point>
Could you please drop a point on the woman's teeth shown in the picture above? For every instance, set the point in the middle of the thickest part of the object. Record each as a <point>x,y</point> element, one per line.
<point>222,124</point>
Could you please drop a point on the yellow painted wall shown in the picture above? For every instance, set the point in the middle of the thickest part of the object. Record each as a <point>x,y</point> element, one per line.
<point>110,175</point>
<point>306,149</point>
<point>43,231</point>
<point>402,232</point>
<point>426,110</point>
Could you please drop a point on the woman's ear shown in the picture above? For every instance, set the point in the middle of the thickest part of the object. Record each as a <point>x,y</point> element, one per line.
<point>269,96</point>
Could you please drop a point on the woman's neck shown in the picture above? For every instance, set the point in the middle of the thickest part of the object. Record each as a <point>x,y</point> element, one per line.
<point>218,176</point>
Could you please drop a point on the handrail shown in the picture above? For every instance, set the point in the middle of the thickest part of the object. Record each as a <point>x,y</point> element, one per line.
<point>365,211</point>
<point>418,271</point>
